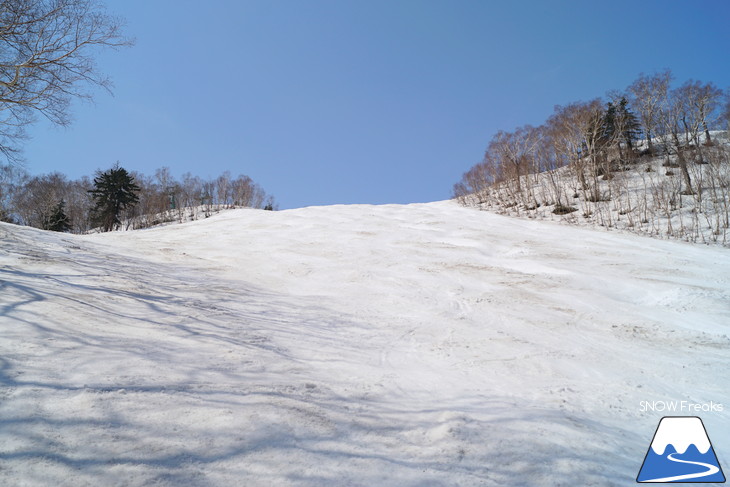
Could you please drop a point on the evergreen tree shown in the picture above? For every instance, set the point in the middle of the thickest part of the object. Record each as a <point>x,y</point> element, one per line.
<point>631,128</point>
<point>619,127</point>
<point>608,128</point>
<point>57,221</point>
<point>114,191</point>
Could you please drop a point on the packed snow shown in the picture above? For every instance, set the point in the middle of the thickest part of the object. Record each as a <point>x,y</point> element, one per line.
<point>424,344</point>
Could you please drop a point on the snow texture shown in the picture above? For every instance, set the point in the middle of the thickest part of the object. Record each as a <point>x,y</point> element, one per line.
<point>417,345</point>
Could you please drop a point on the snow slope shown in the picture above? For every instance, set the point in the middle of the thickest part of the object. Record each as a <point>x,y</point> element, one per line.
<point>425,344</point>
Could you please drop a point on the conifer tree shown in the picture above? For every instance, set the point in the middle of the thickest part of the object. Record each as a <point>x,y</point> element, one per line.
<point>57,220</point>
<point>114,191</point>
<point>608,130</point>
<point>631,128</point>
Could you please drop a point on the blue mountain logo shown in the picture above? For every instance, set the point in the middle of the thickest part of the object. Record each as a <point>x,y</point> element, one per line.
<point>680,452</point>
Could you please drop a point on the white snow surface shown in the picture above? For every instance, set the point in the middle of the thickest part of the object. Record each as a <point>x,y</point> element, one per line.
<point>681,432</point>
<point>425,344</point>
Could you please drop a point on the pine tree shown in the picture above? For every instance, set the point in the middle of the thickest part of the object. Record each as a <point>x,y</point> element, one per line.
<point>608,128</point>
<point>114,191</point>
<point>58,221</point>
<point>620,127</point>
<point>629,123</point>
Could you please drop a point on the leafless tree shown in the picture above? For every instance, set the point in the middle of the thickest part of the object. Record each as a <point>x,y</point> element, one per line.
<point>78,203</point>
<point>224,189</point>
<point>12,180</point>
<point>247,193</point>
<point>648,94</point>
<point>515,151</point>
<point>576,129</point>
<point>243,191</point>
<point>475,182</point>
<point>700,104</point>
<point>39,195</point>
<point>672,117</point>
<point>190,189</point>
<point>725,116</point>
<point>548,160</point>
<point>153,205</point>
<point>169,188</point>
<point>47,52</point>
<point>592,117</point>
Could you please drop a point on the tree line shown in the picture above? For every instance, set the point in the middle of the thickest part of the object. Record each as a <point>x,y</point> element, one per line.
<point>47,61</point>
<point>117,199</point>
<point>574,161</point>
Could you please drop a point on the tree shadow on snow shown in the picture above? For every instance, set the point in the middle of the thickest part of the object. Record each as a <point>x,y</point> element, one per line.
<point>137,373</point>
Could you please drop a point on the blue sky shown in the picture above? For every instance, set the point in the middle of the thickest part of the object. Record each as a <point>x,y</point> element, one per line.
<point>342,101</point>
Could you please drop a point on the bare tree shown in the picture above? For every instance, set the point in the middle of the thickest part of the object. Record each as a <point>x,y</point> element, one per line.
<point>726,113</point>
<point>576,131</point>
<point>648,94</point>
<point>591,122</point>
<point>475,182</point>
<point>224,189</point>
<point>566,139</point>
<point>78,202</point>
<point>153,205</point>
<point>12,181</point>
<point>46,60</point>
<point>514,153</point>
<point>549,159</point>
<point>169,187</point>
<point>672,117</point>
<point>38,197</point>
<point>702,101</point>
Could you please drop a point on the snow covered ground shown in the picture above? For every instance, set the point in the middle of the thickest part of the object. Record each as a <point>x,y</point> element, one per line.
<point>425,344</point>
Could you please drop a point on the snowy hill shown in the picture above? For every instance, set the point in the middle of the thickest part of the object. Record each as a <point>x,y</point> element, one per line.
<point>425,344</point>
<point>644,195</point>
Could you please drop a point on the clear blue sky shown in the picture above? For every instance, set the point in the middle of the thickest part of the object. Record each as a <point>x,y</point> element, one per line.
<point>368,101</point>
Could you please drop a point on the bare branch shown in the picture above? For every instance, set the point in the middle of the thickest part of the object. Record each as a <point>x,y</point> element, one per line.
<point>47,50</point>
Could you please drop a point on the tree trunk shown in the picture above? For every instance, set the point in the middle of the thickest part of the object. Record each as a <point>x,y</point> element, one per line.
<point>648,139</point>
<point>707,133</point>
<point>685,174</point>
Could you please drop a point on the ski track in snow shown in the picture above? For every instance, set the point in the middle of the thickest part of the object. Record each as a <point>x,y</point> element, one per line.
<point>423,344</point>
